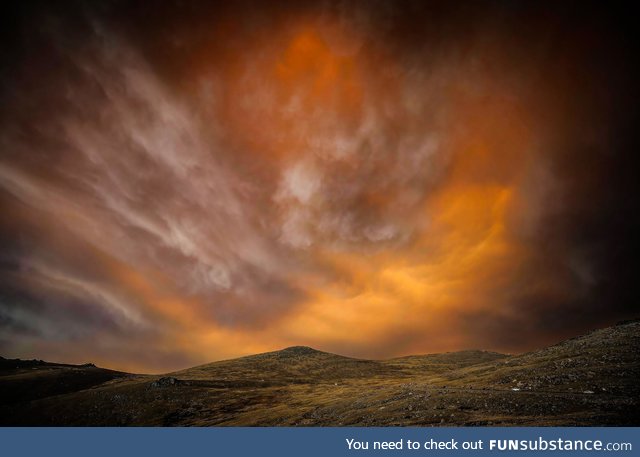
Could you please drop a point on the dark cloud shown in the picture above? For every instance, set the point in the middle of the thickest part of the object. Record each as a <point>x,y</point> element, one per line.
<point>205,180</point>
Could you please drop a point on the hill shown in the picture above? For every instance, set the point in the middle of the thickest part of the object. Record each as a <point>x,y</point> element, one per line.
<point>589,380</point>
<point>26,380</point>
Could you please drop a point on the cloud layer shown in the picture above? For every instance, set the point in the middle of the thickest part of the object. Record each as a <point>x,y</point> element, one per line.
<point>194,183</point>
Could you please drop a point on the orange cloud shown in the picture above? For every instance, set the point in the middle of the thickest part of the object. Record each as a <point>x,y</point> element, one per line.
<point>332,179</point>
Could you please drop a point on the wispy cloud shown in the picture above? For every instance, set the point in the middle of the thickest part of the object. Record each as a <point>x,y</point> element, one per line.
<point>332,181</point>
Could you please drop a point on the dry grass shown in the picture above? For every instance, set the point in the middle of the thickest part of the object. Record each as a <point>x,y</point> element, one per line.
<point>591,380</point>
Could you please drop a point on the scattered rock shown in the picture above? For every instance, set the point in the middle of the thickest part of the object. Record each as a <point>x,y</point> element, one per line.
<point>164,382</point>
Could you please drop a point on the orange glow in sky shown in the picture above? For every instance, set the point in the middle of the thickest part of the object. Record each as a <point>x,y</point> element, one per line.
<point>331,180</point>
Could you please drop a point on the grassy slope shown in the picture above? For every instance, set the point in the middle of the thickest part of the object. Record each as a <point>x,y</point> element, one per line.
<point>25,380</point>
<point>302,386</point>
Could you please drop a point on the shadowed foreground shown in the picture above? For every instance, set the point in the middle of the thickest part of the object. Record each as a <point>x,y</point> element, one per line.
<point>589,380</point>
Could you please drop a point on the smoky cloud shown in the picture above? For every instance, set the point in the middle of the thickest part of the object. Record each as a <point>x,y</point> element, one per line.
<point>181,183</point>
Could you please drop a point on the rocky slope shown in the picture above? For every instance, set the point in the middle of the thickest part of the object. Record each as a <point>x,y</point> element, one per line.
<point>589,380</point>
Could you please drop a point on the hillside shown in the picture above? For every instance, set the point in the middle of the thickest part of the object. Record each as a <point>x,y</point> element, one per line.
<point>589,380</point>
<point>294,365</point>
<point>25,380</point>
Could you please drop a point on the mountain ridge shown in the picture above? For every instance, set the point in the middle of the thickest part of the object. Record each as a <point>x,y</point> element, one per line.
<point>587,380</point>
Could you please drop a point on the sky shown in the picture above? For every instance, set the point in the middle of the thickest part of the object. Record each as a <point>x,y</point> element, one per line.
<point>184,182</point>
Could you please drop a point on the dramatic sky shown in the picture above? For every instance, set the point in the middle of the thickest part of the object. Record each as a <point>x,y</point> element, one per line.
<point>182,182</point>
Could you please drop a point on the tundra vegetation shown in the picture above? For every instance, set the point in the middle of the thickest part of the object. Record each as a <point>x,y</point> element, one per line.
<point>588,380</point>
